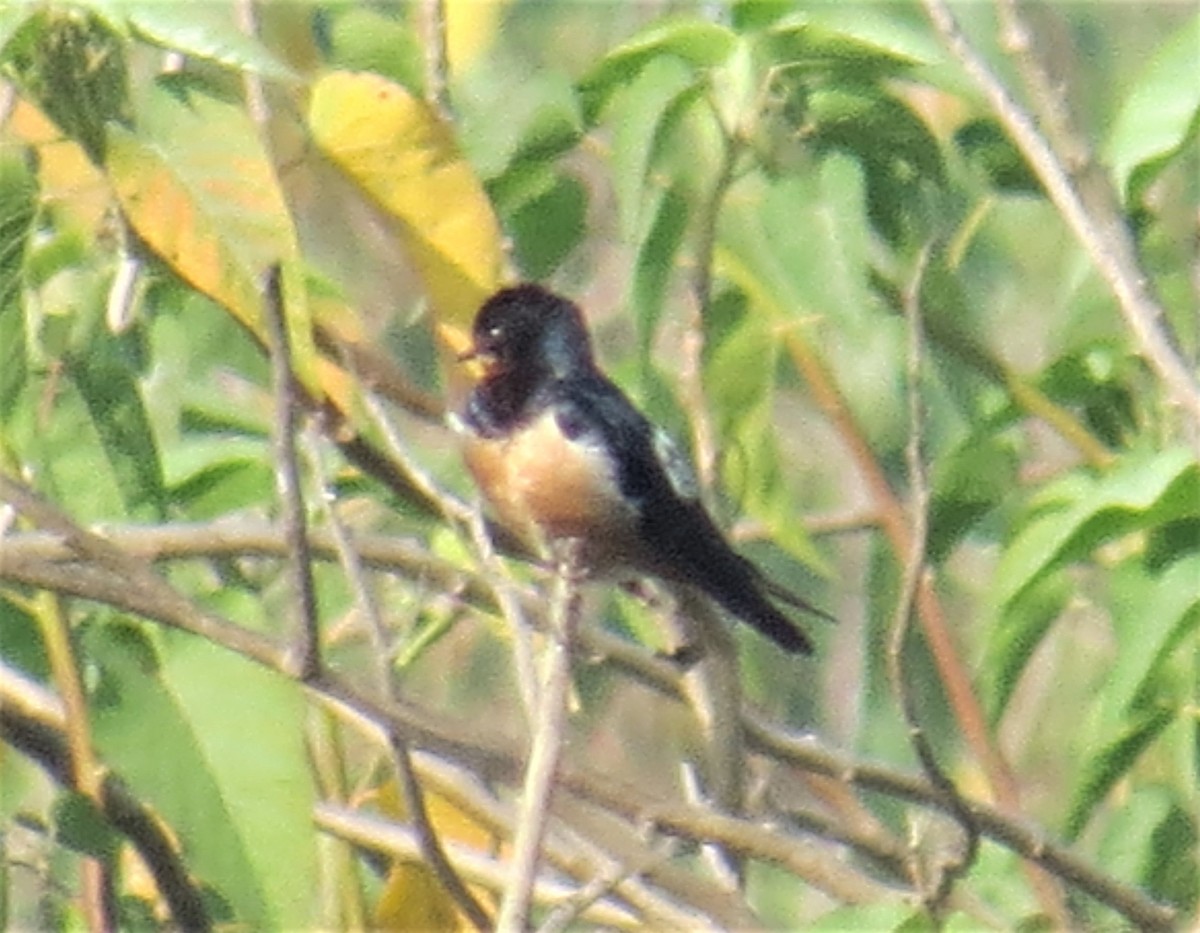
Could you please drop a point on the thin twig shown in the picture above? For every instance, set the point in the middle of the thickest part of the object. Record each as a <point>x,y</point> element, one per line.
<point>307,646</point>
<point>352,565</point>
<point>431,844</point>
<point>370,832</point>
<point>1096,220</point>
<point>105,573</point>
<point>431,28</point>
<point>34,721</point>
<point>952,670</point>
<point>935,896</point>
<point>504,591</point>
<point>451,507</point>
<point>410,787</point>
<point>84,774</point>
<point>546,744</point>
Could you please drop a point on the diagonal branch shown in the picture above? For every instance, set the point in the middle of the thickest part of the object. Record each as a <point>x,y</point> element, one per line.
<point>1091,209</point>
<point>104,573</point>
<point>936,892</point>
<point>287,476</point>
<point>546,746</point>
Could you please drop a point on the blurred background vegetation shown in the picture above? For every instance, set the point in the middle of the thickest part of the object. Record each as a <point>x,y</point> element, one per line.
<point>751,200</point>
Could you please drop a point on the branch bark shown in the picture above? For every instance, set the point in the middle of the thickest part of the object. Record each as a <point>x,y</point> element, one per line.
<point>1089,206</point>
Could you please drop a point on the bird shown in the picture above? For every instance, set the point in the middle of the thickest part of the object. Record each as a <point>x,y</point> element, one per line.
<point>560,452</point>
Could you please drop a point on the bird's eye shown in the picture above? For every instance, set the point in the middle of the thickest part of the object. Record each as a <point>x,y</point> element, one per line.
<point>495,333</point>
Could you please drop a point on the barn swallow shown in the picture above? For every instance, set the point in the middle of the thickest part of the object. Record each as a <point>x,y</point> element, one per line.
<point>560,452</point>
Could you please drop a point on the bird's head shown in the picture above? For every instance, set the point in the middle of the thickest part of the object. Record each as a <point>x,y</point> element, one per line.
<point>529,328</point>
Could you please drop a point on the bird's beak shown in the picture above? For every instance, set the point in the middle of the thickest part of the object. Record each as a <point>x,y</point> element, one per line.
<point>480,362</point>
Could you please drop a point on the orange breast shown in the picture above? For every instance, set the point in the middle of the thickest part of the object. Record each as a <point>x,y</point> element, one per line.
<point>544,486</point>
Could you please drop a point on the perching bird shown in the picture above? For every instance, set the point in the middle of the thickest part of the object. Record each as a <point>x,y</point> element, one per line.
<point>560,452</point>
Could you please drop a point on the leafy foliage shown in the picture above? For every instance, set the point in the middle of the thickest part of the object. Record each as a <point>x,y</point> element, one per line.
<point>753,191</point>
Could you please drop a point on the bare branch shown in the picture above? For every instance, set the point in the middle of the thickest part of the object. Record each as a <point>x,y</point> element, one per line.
<point>547,742</point>
<point>34,721</point>
<point>371,832</point>
<point>1091,210</point>
<point>431,28</point>
<point>410,786</point>
<point>105,573</point>
<point>307,647</point>
<point>937,893</point>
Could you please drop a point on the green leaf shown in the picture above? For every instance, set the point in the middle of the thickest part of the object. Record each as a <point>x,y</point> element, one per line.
<point>968,482</point>
<point>106,380</point>
<point>72,64</point>
<point>1112,763</point>
<point>985,145</point>
<point>1020,629</point>
<point>18,211</point>
<point>225,486</point>
<point>1158,118</point>
<point>1140,491</point>
<point>1100,378</point>
<point>897,151</point>
<point>642,114</point>
<point>696,43</point>
<point>70,456</point>
<point>80,826</point>
<point>249,723</point>
<point>799,247</point>
<point>206,31</point>
<point>541,121</point>
<point>142,730</point>
<point>740,379</point>
<point>867,42</point>
<point>1171,872</point>
<point>864,54</point>
<point>653,270</point>
<point>12,18</point>
<point>21,644</point>
<point>1151,614</point>
<point>365,39</point>
<point>215,744</point>
<point>548,227</point>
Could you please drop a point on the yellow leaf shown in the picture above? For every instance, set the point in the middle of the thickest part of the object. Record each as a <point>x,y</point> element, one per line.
<point>449,821</point>
<point>396,149</point>
<point>414,899</point>
<point>199,189</point>
<point>67,177</point>
<point>470,26</point>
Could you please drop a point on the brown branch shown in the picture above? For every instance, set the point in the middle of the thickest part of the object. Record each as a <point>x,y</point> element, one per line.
<point>547,742</point>
<point>410,787</point>
<point>35,722</point>
<point>956,681</point>
<point>251,538</point>
<point>431,847</point>
<point>994,823</point>
<point>1089,206</point>
<point>84,775</point>
<point>936,894</point>
<point>307,646</point>
<point>117,579</point>
<point>371,832</point>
